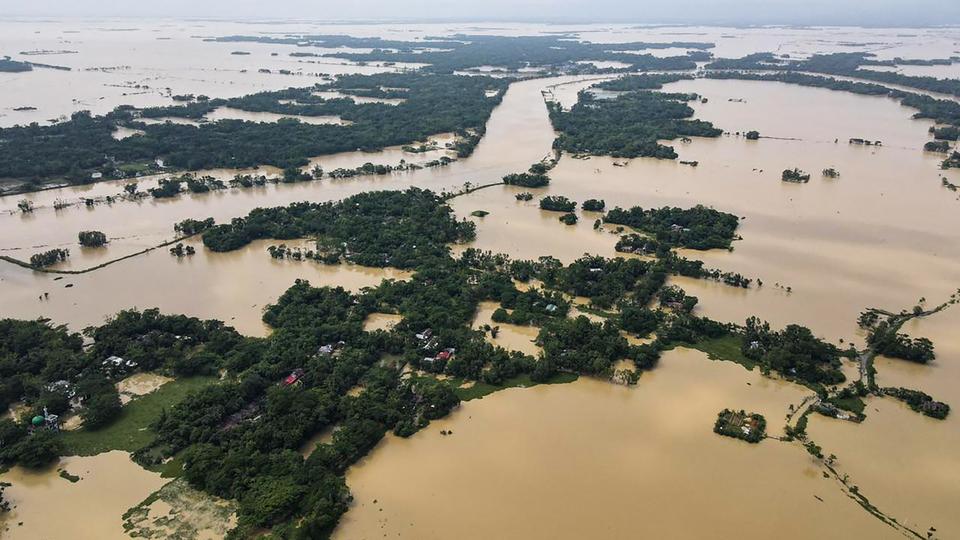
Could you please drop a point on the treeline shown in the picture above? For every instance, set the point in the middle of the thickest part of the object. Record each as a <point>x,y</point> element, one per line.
<point>696,228</point>
<point>92,238</point>
<point>463,52</point>
<point>627,126</point>
<point>896,345</point>
<point>533,306</point>
<point>843,64</point>
<point>385,228</point>
<point>794,352</point>
<point>919,402</point>
<point>84,144</point>
<point>647,81</point>
<point>49,257</point>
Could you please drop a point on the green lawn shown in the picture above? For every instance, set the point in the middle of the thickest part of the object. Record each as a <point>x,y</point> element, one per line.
<point>726,348</point>
<point>130,431</point>
<point>480,389</point>
<point>852,403</point>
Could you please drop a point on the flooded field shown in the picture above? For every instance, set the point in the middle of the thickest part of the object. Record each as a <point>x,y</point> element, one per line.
<point>591,459</point>
<point>233,287</point>
<point>381,321</point>
<point>88,509</point>
<point>598,459</point>
<point>512,337</point>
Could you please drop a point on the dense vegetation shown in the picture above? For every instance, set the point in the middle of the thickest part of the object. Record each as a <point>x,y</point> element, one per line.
<point>795,352</point>
<point>84,143</point>
<point>533,306</point>
<point>697,228</point>
<point>557,203</point>
<point>49,257</point>
<point>402,229</point>
<point>920,402</point>
<point>528,180</point>
<point>627,126</point>
<point>47,369</point>
<point>795,175</point>
<point>91,238</point>
<point>896,345</point>
<point>594,205</point>
<point>646,81</point>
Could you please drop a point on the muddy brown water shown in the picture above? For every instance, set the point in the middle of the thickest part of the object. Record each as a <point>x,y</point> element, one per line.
<point>44,505</point>
<point>596,460</point>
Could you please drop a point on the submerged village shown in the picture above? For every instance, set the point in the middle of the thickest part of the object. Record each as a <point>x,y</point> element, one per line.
<point>340,279</point>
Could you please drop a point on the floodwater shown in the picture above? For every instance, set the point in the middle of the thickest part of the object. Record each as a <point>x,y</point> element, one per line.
<point>49,506</point>
<point>229,113</point>
<point>234,287</point>
<point>600,460</point>
<point>140,384</point>
<point>381,321</point>
<point>597,460</point>
<point>512,337</point>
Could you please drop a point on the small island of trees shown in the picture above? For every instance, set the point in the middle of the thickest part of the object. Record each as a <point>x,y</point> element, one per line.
<point>795,175</point>
<point>937,146</point>
<point>697,228</point>
<point>527,180</point>
<point>557,203</point>
<point>594,205</point>
<point>568,219</point>
<point>919,402</point>
<point>740,425</point>
<point>49,258</point>
<point>92,238</point>
<point>627,126</point>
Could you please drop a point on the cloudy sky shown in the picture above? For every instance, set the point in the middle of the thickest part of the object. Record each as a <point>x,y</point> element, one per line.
<point>862,12</point>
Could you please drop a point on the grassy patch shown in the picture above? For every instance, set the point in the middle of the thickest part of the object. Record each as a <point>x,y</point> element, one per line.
<point>727,348</point>
<point>131,430</point>
<point>143,167</point>
<point>852,403</point>
<point>172,468</point>
<point>480,389</point>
